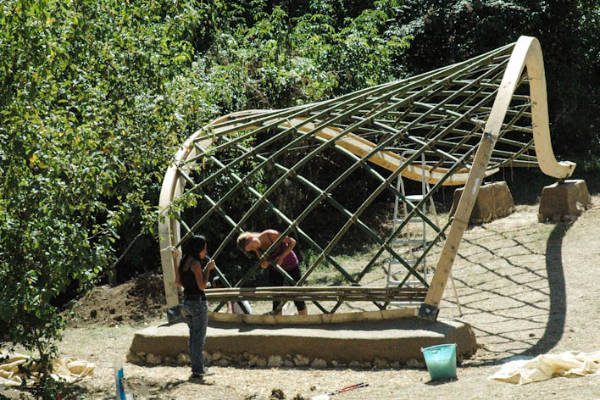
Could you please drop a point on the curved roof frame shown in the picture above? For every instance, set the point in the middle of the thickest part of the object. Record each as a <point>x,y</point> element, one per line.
<point>445,116</point>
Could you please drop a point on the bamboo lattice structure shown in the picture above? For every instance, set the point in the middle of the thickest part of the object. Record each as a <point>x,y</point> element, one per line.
<point>466,121</point>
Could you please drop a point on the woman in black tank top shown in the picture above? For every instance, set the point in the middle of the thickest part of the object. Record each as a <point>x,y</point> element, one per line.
<point>193,275</point>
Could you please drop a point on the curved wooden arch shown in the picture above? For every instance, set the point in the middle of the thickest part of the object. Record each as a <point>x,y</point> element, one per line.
<point>526,54</point>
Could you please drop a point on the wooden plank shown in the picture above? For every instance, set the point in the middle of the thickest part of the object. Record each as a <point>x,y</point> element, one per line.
<point>526,54</point>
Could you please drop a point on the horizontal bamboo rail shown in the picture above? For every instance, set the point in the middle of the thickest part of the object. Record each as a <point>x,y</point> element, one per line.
<point>321,293</point>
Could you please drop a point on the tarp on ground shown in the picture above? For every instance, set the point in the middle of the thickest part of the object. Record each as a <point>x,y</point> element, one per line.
<point>568,364</point>
<point>12,369</point>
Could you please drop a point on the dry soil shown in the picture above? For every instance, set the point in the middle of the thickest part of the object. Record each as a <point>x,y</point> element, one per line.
<point>527,288</point>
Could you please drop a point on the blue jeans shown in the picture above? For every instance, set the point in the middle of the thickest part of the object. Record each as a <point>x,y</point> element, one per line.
<point>195,313</point>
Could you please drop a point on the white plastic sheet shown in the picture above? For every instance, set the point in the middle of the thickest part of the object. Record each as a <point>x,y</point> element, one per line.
<point>568,364</point>
<point>67,369</point>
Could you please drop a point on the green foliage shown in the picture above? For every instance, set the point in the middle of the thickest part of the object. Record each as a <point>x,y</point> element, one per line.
<point>451,31</point>
<point>95,97</point>
<point>86,133</point>
<point>361,54</point>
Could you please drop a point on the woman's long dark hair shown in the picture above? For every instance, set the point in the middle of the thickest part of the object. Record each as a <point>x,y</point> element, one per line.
<point>191,248</point>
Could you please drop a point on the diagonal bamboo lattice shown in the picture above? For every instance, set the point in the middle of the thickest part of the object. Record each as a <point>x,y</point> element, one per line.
<point>451,126</point>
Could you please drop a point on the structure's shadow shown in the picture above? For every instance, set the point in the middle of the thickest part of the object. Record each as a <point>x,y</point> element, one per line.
<point>558,296</point>
<point>511,323</point>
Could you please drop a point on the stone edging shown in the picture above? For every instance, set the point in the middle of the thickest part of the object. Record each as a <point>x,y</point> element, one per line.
<point>247,360</point>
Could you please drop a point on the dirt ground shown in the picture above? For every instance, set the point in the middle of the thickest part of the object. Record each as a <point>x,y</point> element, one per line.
<point>526,288</point>
<point>131,303</point>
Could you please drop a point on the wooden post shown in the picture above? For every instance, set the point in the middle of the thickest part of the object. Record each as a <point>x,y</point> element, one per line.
<point>527,53</point>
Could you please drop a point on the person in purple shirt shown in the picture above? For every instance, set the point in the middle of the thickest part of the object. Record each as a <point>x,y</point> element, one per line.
<point>284,256</point>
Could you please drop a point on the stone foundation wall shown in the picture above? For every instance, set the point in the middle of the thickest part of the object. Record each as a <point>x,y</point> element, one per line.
<point>381,344</point>
<point>247,360</point>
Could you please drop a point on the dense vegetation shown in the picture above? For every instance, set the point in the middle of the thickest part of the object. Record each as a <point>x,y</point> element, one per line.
<point>96,95</point>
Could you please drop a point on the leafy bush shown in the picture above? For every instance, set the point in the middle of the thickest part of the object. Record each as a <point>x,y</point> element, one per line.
<point>86,132</point>
<point>95,97</point>
<point>451,31</point>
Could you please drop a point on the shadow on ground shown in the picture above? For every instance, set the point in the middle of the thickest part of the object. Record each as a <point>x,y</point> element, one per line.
<point>512,289</point>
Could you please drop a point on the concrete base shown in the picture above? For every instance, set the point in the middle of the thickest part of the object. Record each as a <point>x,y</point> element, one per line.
<point>493,201</point>
<point>564,201</point>
<point>397,341</point>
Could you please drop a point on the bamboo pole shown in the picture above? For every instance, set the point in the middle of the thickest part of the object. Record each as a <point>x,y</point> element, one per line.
<point>337,237</point>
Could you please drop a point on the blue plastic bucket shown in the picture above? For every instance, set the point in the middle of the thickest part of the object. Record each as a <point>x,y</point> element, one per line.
<point>440,361</point>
